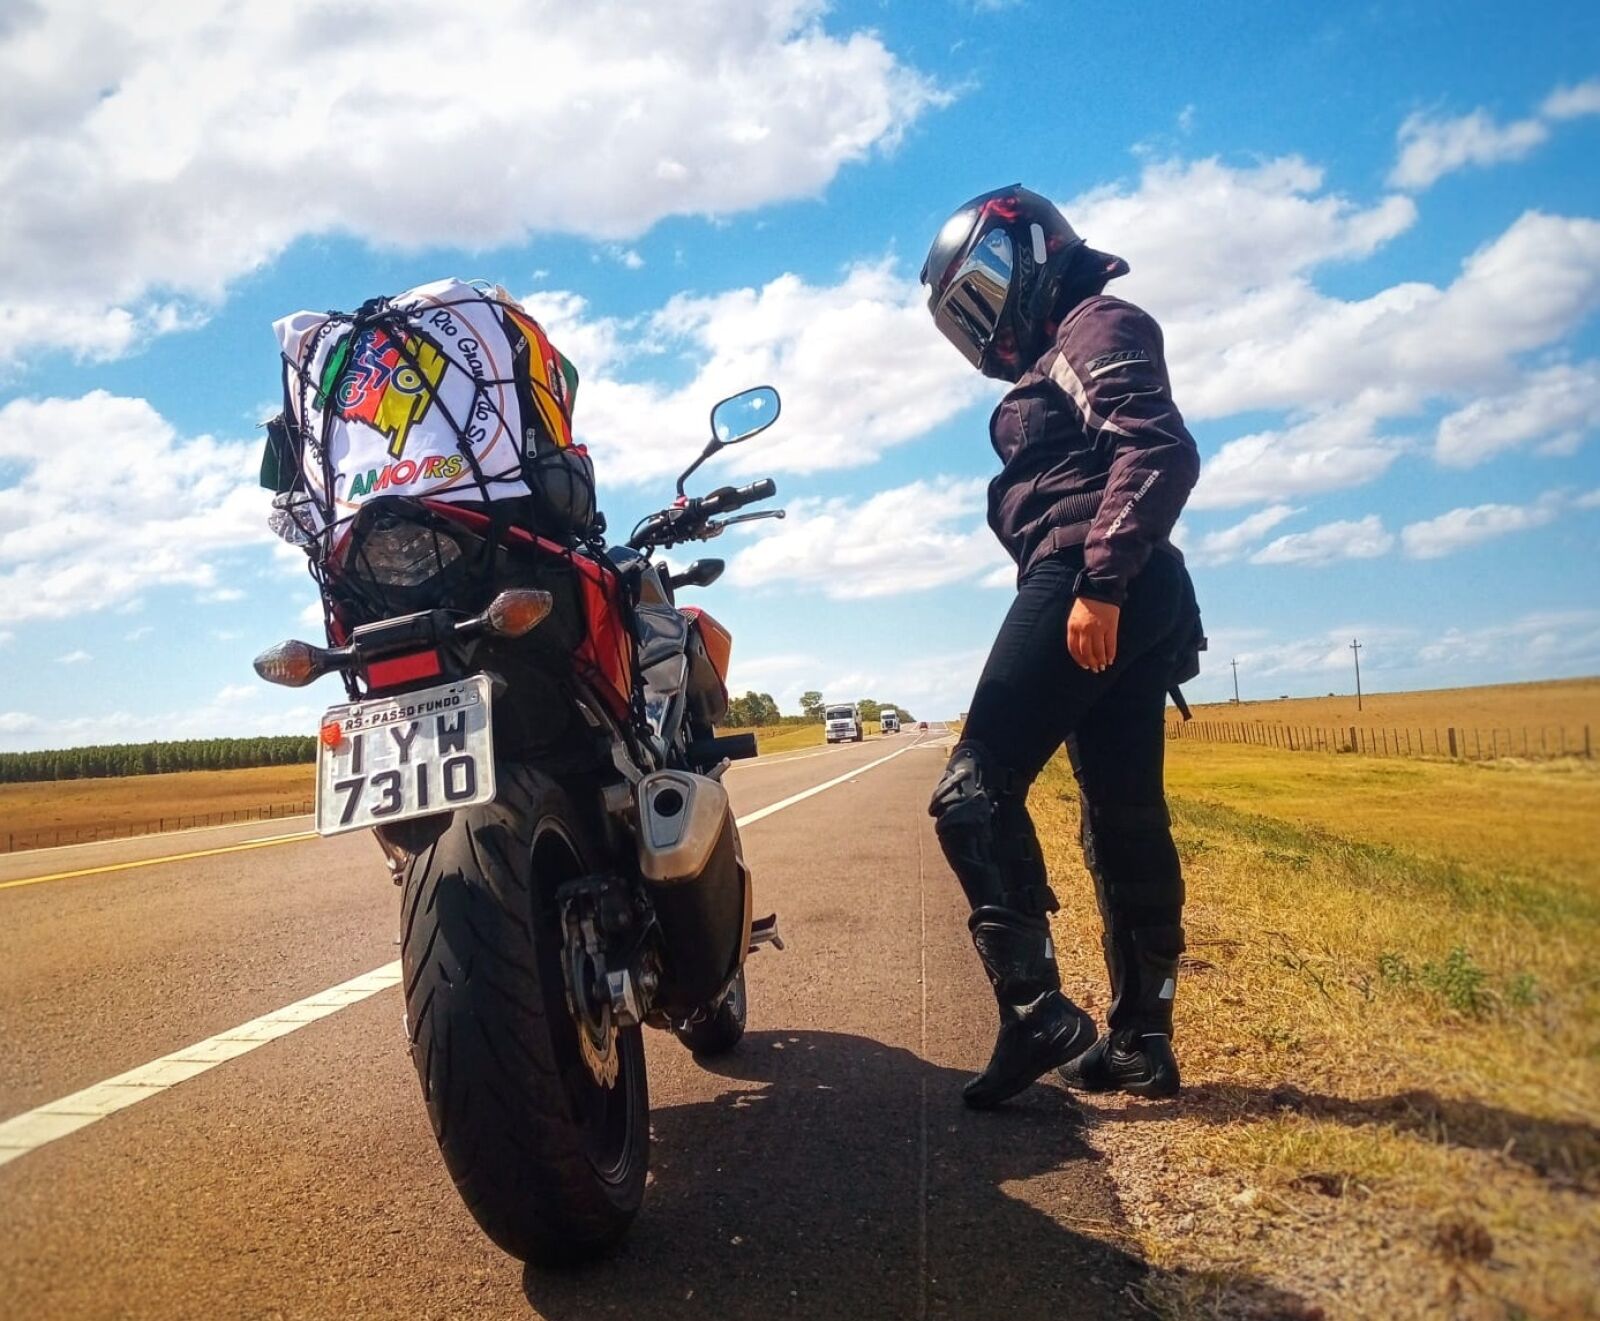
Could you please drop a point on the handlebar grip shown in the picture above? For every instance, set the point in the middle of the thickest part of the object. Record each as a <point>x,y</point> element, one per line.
<point>725,499</point>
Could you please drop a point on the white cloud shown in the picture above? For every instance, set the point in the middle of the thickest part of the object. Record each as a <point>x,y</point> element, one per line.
<point>1288,346</point>
<point>1328,452</point>
<point>908,539</point>
<point>151,157</point>
<point>1434,538</point>
<point>109,502</point>
<point>139,634</point>
<point>1543,643</point>
<point>628,258</point>
<point>1573,102</point>
<point>1224,258</point>
<point>1432,147</point>
<point>1229,543</point>
<point>1539,644</point>
<point>1345,539</point>
<point>1554,409</point>
<point>1588,500</point>
<point>1200,233</point>
<point>858,363</point>
<point>74,658</point>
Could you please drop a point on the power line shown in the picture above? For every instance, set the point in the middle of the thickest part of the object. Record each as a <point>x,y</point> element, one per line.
<point>1235,663</point>
<point>1355,650</point>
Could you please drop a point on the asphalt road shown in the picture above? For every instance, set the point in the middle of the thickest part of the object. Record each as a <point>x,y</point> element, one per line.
<point>826,1168</point>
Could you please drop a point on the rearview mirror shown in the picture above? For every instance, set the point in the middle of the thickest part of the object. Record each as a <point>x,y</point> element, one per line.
<point>702,573</point>
<point>736,418</point>
<point>745,414</point>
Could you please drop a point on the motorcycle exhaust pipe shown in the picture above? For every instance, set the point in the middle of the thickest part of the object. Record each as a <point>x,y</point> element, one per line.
<point>698,884</point>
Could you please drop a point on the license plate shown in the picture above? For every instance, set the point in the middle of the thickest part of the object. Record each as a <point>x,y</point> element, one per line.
<point>407,756</point>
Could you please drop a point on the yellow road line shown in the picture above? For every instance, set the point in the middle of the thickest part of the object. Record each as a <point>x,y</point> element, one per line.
<point>152,862</point>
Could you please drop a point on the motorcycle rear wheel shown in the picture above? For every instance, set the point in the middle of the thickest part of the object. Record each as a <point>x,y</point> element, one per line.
<point>719,1030</point>
<point>551,1163</point>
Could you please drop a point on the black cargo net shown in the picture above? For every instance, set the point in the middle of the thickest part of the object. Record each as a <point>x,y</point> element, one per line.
<point>336,541</point>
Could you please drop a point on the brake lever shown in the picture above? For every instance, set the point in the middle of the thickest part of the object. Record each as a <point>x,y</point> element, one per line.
<point>751,518</point>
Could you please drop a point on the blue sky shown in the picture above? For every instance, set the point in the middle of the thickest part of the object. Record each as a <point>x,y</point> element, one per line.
<point>1373,240</point>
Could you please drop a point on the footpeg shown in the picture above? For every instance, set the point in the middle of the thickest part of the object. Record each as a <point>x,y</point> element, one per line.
<point>764,931</point>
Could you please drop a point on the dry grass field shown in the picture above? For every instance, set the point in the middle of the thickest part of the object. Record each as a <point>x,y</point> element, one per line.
<point>1389,1022</point>
<point>1561,703</point>
<point>140,800</point>
<point>783,738</point>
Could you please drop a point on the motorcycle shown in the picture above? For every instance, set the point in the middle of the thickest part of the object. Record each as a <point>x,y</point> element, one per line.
<point>531,736</point>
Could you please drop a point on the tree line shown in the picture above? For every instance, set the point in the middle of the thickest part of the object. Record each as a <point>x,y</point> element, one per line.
<point>754,710</point>
<point>111,760</point>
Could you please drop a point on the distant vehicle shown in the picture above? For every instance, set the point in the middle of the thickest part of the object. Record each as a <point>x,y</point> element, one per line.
<point>842,723</point>
<point>889,720</point>
<point>922,724</point>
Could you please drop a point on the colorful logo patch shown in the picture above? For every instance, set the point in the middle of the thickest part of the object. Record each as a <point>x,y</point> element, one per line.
<point>386,385</point>
<point>433,468</point>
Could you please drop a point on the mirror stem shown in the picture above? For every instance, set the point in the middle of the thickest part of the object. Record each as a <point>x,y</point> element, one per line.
<point>712,446</point>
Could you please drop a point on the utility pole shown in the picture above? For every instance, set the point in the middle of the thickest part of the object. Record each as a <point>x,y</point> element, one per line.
<point>1355,650</point>
<point>1235,663</point>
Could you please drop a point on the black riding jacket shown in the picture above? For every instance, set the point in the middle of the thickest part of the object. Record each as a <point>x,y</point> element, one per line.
<point>1094,451</point>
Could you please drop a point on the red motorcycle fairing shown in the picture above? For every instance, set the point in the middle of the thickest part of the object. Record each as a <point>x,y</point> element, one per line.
<point>604,655</point>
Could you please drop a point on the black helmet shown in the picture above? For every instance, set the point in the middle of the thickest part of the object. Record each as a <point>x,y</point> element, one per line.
<point>994,274</point>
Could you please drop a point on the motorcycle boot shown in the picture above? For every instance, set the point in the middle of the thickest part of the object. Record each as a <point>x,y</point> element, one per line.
<point>1139,887</point>
<point>990,844</point>
<point>1135,1055</point>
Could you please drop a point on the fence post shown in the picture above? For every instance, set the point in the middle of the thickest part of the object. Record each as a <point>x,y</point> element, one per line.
<point>1452,742</point>
<point>1588,752</point>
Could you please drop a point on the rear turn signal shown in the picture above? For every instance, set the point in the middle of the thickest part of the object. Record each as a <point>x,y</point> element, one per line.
<point>294,664</point>
<point>517,611</point>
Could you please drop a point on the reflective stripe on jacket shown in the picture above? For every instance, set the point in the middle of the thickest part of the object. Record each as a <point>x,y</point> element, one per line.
<point>1094,452</point>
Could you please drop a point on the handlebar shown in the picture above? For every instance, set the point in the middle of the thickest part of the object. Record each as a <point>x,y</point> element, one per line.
<point>692,520</point>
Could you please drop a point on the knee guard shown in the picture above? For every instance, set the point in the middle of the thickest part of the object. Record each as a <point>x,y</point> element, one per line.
<point>986,835</point>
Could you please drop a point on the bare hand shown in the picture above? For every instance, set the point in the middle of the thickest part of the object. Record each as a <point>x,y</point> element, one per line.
<point>1092,633</point>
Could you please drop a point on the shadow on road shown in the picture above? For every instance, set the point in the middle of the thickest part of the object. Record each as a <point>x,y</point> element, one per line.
<point>814,1188</point>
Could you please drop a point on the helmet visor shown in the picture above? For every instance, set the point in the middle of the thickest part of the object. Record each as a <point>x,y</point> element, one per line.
<point>969,311</point>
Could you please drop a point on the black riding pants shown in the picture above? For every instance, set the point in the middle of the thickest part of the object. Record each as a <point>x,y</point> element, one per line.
<point>1033,697</point>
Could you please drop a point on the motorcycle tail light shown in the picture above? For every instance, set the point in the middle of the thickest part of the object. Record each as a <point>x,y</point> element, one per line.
<point>405,554</point>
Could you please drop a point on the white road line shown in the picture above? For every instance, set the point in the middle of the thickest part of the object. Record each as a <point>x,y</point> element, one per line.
<point>22,1134</point>
<point>812,792</point>
<point>56,1119</point>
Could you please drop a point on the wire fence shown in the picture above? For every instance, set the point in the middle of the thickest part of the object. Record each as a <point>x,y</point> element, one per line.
<point>1456,742</point>
<point>46,837</point>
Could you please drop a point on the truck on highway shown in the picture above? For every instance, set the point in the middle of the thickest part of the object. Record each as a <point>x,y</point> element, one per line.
<point>842,723</point>
<point>889,720</point>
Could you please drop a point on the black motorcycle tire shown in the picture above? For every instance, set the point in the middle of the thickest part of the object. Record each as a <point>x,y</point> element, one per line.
<point>719,1030</point>
<point>550,1163</point>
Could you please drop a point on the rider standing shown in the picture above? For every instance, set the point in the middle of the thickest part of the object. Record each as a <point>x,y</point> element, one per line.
<point>1095,467</point>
